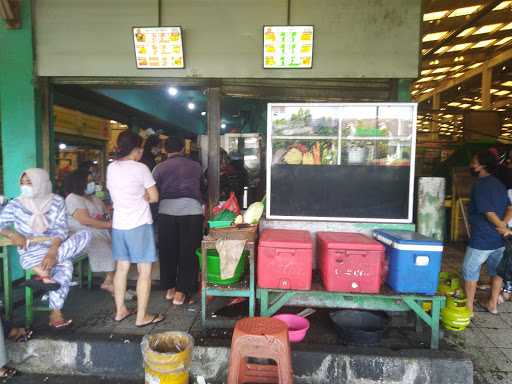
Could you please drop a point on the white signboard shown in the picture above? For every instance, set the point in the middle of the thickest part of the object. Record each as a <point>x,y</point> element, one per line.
<point>158,47</point>
<point>287,46</point>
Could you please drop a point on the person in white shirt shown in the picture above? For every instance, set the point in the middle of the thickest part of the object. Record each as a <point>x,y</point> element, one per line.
<point>132,188</point>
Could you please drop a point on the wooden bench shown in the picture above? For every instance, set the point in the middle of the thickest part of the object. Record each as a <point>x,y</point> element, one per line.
<point>271,300</point>
<point>30,308</point>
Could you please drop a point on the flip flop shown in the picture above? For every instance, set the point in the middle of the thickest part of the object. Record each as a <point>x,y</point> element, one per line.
<point>8,372</point>
<point>158,318</point>
<point>25,337</point>
<point>61,324</point>
<point>38,283</point>
<point>186,299</point>
<point>495,312</point>
<point>131,312</point>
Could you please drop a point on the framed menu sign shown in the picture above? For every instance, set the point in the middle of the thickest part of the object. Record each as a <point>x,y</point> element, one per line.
<point>287,46</point>
<point>158,47</point>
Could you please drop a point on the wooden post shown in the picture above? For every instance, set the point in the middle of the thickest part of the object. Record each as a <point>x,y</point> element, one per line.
<point>213,113</point>
<point>486,88</point>
<point>436,105</point>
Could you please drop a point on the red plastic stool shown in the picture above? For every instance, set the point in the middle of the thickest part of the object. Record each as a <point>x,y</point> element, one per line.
<point>260,338</point>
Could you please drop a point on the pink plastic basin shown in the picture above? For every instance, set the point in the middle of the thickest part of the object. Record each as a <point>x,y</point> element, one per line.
<point>297,326</point>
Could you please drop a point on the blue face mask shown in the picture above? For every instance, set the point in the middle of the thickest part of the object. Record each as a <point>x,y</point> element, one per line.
<point>90,189</point>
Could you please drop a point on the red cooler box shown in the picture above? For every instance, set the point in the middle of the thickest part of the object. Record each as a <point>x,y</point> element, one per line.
<point>285,259</point>
<point>351,262</point>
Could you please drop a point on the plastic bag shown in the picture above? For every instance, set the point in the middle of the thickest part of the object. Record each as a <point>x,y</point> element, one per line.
<point>231,204</point>
<point>504,269</point>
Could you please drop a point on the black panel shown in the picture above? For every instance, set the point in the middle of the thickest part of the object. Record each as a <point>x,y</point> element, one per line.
<point>348,191</point>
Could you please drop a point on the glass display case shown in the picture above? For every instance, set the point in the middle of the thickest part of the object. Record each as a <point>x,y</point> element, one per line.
<point>349,162</point>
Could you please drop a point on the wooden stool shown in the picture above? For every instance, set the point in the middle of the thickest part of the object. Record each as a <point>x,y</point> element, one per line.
<point>260,338</point>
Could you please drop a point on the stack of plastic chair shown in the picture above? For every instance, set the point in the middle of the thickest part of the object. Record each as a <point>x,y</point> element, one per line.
<point>256,340</point>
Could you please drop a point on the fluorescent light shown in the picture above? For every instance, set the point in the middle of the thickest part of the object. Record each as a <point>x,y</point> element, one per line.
<point>434,36</point>
<point>223,126</point>
<point>504,40</point>
<point>502,93</point>
<point>203,113</point>
<point>172,91</point>
<point>487,28</point>
<point>95,162</point>
<point>434,15</point>
<point>464,11</point>
<point>62,146</point>
<point>483,43</point>
<point>191,106</point>
<point>459,47</point>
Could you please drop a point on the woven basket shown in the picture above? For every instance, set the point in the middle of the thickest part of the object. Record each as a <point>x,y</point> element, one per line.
<point>234,233</point>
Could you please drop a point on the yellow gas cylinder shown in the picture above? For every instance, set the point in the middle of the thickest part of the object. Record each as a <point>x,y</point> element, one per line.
<point>167,357</point>
<point>449,283</point>
<point>456,316</point>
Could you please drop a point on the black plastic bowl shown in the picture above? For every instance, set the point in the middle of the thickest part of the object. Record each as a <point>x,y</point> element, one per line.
<point>359,327</point>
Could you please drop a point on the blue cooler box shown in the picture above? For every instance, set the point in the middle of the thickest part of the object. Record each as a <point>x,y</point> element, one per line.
<point>414,261</point>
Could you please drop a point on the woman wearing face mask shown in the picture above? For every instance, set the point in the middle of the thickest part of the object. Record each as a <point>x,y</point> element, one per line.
<point>132,188</point>
<point>36,223</point>
<point>86,211</point>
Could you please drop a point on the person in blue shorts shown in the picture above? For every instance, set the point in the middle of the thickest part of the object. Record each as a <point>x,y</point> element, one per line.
<point>489,211</point>
<point>132,188</point>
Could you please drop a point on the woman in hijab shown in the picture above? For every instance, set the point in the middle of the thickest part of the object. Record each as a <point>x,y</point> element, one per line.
<point>36,223</point>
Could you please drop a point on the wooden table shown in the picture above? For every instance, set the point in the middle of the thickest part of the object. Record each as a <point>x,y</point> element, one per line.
<point>246,288</point>
<point>271,300</point>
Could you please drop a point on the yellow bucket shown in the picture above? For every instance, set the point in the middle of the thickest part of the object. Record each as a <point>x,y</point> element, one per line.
<point>167,357</point>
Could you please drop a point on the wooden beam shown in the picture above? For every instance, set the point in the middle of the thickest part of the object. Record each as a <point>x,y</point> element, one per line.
<point>452,35</point>
<point>214,121</point>
<point>502,102</point>
<point>496,60</point>
<point>451,23</point>
<point>447,59</point>
<point>486,88</point>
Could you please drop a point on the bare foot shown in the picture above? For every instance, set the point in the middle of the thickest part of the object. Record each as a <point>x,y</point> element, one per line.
<point>489,308</point>
<point>108,287</point>
<point>170,294</point>
<point>123,314</point>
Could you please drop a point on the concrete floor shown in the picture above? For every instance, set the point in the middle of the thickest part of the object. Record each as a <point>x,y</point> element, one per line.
<point>488,340</point>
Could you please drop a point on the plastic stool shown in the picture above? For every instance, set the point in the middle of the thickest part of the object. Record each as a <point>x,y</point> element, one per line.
<point>260,338</point>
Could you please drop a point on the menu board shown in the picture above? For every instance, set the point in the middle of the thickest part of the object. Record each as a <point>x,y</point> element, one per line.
<point>158,47</point>
<point>287,46</point>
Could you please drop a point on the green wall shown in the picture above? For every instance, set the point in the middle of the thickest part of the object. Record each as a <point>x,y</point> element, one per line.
<point>19,120</point>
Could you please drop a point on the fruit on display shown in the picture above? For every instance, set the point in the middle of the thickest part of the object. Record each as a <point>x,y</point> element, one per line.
<point>308,159</point>
<point>293,156</point>
<point>254,213</point>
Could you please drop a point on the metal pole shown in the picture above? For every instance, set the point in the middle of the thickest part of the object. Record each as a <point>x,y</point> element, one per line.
<point>213,113</point>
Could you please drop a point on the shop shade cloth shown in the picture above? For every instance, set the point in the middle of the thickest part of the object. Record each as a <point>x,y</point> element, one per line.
<point>230,252</point>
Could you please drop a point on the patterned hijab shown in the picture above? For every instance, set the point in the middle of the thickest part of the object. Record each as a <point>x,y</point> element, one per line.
<point>41,200</point>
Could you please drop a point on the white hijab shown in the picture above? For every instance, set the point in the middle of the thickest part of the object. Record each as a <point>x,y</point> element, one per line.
<point>41,200</point>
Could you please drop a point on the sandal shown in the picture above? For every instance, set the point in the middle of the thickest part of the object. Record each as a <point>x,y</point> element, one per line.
<point>7,372</point>
<point>37,282</point>
<point>131,312</point>
<point>186,299</point>
<point>25,336</point>
<point>158,318</point>
<point>60,324</point>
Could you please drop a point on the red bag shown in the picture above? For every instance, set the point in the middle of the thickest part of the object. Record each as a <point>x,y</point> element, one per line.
<point>231,204</point>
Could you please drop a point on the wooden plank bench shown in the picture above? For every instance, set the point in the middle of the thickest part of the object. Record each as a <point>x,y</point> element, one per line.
<point>271,300</point>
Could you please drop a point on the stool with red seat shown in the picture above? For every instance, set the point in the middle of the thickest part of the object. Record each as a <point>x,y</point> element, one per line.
<point>260,338</point>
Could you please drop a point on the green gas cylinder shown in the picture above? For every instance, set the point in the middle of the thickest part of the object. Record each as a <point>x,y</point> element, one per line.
<point>456,316</point>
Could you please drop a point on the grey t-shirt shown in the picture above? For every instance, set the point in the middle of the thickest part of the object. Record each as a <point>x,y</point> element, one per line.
<point>184,206</point>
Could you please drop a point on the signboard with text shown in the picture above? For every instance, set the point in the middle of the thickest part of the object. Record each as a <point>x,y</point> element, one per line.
<point>158,47</point>
<point>287,46</point>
